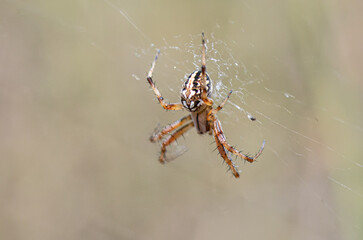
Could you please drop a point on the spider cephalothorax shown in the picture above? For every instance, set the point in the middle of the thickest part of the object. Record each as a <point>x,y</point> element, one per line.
<point>195,98</point>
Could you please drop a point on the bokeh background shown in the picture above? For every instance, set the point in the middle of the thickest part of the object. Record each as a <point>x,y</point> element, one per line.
<point>76,113</point>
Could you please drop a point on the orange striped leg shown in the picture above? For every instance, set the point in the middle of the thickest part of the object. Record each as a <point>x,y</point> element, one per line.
<point>167,106</point>
<point>204,69</point>
<point>167,129</point>
<point>224,155</point>
<point>212,112</point>
<point>206,100</point>
<point>172,138</point>
<point>219,132</point>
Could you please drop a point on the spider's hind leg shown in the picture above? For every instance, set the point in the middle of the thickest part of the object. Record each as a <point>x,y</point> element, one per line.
<point>204,95</point>
<point>167,106</point>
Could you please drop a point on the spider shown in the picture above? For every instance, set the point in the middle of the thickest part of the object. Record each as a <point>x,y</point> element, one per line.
<point>195,98</point>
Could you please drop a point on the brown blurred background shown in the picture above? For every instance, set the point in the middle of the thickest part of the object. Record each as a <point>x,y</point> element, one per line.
<point>76,113</point>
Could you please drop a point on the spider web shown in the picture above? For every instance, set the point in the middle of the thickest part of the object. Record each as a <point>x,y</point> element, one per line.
<point>312,143</point>
<point>277,109</point>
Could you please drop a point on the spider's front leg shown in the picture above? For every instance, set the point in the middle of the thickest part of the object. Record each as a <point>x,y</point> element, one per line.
<point>218,133</point>
<point>223,153</point>
<point>167,106</point>
<point>169,128</point>
<point>171,139</point>
<point>217,128</point>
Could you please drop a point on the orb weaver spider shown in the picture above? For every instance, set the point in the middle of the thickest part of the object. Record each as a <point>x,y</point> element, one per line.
<point>195,98</point>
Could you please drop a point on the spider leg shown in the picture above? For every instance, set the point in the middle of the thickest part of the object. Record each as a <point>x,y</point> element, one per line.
<point>167,106</point>
<point>172,138</point>
<point>204,96</point>
<point>171,127</point>
<point>218,133</point>
<point>217,128</point>
<point>211,114</point>
<point>224,155</point>
<point>214,111</point>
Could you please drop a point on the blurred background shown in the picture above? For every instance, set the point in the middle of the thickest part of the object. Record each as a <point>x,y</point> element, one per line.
<point>76,113</point>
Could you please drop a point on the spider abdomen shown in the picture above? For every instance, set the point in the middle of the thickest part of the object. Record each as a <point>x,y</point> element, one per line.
<point>191,93</point>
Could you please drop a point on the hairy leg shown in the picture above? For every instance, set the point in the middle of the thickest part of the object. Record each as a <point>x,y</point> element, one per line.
<point>172,138</point>
<point>167,106</point>
<point>204,96</point>
<point>224,155</point>
<point>219,133</point>
<point>169,128</point>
